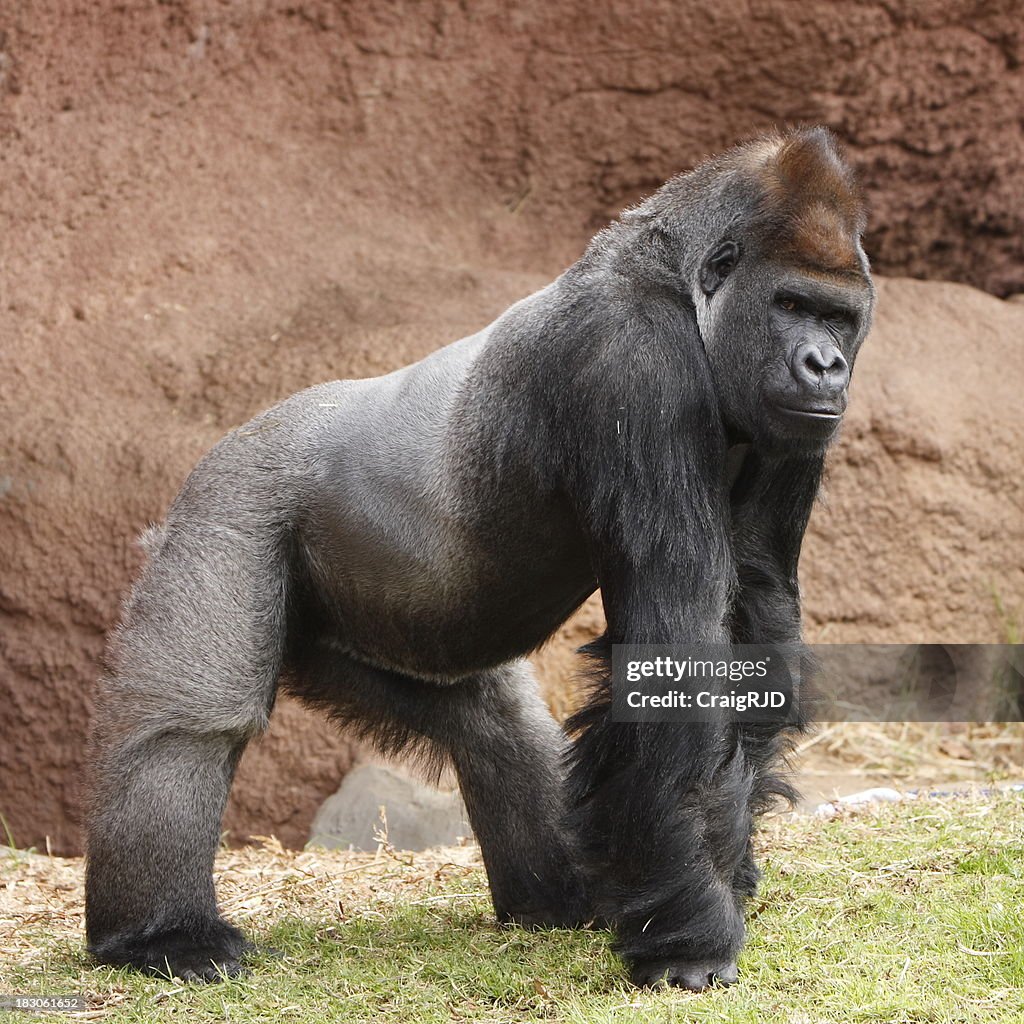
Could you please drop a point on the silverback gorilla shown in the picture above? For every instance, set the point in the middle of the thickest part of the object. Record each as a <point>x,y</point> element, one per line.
<point>652,423</point>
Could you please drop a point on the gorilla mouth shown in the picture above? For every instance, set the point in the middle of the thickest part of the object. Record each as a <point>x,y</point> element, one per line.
<point>818,422</point>
<point>813,414</point>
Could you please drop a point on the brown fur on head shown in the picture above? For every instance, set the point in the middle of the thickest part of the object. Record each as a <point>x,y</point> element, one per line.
<point>810,206</point>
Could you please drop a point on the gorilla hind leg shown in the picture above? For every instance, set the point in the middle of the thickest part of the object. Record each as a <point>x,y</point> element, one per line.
<point>193,673</point>
<point>510,770</point>
<point>150,897</point>
<point>507,752</point>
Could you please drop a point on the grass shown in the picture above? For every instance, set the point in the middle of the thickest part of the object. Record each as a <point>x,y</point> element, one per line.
<point>907,913</point>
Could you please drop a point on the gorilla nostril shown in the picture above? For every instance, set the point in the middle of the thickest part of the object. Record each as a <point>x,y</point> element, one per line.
<point>814,361</point>
<point>837,364</point>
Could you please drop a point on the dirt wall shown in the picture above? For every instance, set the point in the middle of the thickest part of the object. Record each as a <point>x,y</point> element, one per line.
<point>205,206</point>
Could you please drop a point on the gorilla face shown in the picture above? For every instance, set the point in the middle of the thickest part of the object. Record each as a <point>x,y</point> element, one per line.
<point>781,341</point>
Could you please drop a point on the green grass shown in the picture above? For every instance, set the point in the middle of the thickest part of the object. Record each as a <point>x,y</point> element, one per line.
<point>906,913</point>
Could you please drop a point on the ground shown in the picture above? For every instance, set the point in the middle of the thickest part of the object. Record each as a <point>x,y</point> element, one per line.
<point>905,913</point>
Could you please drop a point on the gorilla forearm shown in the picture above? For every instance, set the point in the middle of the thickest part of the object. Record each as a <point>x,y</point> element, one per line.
<point>649,798</point>
<point>642,795</point>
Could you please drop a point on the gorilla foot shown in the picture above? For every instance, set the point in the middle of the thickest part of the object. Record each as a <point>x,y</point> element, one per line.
<point>199,966</point>
<point>568,908</point>
<point>564,903</point>
<point>695,976</point>
<point>214,953</point>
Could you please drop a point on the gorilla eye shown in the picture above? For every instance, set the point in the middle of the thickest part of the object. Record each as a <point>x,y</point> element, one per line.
<point>718,265</point>
<point>788,304</point>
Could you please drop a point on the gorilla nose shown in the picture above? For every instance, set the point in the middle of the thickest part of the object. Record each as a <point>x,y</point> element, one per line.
<point>820,365</point>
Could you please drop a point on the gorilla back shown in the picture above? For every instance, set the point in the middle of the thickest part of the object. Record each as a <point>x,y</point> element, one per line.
<point>653,423</point>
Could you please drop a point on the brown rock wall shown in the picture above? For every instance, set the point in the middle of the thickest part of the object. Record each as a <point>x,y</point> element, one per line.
<point>205,206</point>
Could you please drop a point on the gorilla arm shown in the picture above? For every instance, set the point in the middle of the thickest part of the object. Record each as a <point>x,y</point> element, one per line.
<point>650,457</point>
<point>771,504</point>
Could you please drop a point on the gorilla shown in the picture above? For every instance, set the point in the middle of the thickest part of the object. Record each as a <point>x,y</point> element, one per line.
<point>653,423</point>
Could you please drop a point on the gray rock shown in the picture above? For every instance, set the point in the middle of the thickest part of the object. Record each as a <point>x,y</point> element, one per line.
<point>418,816</point>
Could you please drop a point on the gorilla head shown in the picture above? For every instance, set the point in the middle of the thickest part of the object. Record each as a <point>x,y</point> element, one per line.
<point>779,282</point>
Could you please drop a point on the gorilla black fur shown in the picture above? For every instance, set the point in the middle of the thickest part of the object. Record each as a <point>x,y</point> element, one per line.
<point>653,423</point>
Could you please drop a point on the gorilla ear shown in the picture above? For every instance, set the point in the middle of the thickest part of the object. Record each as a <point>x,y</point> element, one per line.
<point>718,265</point>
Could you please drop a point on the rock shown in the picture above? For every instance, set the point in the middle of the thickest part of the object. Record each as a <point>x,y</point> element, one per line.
<point>219,208</point>
<point>417,816</point>
<point>858,801</point>
<point>868,798</point>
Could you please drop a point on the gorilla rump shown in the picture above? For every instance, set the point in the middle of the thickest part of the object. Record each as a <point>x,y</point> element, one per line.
<point>652,423</point>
